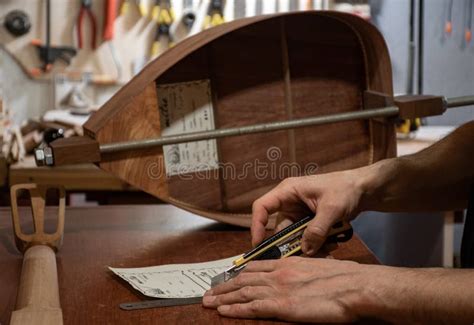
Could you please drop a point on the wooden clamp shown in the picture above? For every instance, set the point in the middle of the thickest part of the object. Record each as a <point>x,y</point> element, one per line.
<point>409,106</point>
<point>378,106</point>
<point>38,294</point>
<point>414,106</point>
<point>71,150</point>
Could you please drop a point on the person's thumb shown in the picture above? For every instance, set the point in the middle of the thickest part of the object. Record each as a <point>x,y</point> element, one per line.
<point>317,230</point>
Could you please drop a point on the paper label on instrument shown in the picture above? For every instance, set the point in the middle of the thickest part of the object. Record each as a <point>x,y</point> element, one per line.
<point>186,107</point>
<point>174,280</point>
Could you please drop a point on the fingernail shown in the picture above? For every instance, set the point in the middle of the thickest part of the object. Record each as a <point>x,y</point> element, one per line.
<point>307,249</point>
<point>208,292</point>
<point>223,309</point>
<point>207,300</point>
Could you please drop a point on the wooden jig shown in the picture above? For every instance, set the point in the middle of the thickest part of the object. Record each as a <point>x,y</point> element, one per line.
<point>38,294</point>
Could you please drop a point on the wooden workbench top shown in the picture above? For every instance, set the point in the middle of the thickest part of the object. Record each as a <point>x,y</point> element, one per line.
<point>81,177</point>
<point>130,236</point>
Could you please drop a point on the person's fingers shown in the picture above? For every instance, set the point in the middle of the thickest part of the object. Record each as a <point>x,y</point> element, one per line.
<point>296,309</point>
<point>321,253</point>
<point>242,280</point>
<point>283,194</point>
<point>325,250</point>
<point>266,308</point>
<point>282,224</point>
<point>261,209</point>
<point>242,295</point>
<point>315,310</point>
<point>317,230</point>
<point>314,236</point>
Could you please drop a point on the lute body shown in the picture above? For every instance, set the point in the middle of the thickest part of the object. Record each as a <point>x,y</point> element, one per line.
<point>254,70</point>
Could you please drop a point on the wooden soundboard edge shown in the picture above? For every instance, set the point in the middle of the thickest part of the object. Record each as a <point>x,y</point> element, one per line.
<point>157,67</point>
<point>236,219</point>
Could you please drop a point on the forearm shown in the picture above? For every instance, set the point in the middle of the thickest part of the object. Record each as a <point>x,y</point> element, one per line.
<point>420,295</point>
<point>437,178</point>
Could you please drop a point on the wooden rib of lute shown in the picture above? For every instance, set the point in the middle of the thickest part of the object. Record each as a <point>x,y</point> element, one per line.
<point>261,69</point>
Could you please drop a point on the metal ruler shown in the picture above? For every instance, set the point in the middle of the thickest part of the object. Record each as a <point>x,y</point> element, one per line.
<point>158,303</point>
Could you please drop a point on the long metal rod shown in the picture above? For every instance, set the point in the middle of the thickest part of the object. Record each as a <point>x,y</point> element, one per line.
<point>250,129</point>
<point>268,127</point>
<point>459,101</point>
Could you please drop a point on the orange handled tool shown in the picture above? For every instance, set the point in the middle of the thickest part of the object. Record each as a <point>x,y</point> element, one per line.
<point>448,26</point>
<point>86,10</point>
<point>468,29</point>
<point>111,7</point>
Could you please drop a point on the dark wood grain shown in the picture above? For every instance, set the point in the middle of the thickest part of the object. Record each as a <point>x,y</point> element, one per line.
<point>75,150</point>
<point>126,236</point>
<point>413,106</point>
<point>383,145</point>
<point>261,69</point>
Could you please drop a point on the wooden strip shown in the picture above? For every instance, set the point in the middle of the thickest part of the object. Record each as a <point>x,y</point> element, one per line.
<point>215,105</point>
<point>378,78</point>
<point>288,97</point>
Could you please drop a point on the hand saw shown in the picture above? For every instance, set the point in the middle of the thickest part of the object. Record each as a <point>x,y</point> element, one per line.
<point>283,244</point>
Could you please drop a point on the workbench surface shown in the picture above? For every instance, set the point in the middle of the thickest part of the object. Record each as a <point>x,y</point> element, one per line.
<point>82,177</point>
<point>130,236</point>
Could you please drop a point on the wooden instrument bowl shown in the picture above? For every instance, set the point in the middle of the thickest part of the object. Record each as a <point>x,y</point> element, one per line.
<point>261,69</point>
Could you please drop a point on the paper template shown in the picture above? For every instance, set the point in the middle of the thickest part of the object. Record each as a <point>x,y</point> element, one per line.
<point>174,280</point>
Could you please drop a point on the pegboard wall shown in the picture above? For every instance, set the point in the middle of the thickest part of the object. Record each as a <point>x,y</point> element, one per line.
<point>115,61</point>
<point>135,28</point>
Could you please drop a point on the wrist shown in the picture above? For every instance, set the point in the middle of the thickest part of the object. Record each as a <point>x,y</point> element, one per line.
<point>376,292</point>
<point>372,182</point>
<point>392,294</point>
<point>367,296</point>
<point>396,294</point>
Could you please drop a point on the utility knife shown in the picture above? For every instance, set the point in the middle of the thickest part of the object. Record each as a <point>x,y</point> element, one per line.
<point>284,243</point>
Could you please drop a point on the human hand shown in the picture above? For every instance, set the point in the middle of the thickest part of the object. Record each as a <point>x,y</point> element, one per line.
<point>326,290</point>
<point>296,289</point>
<point>331,197</point>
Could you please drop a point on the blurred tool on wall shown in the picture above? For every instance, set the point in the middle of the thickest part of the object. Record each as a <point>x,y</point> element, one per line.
<point>144,7</point>
<point>468,27</point>
<point>182,27</point>
<point>110,10</point>
<point>163,15</point>
<point>50,54</point>
<point>86,14</point>
<point>215,14</point>
<point>448,26</point>
<point>83,76</point>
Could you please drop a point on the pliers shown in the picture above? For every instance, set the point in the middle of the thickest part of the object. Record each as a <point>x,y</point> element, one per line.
<point>86,10</point>
<point>215,14</point>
